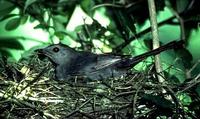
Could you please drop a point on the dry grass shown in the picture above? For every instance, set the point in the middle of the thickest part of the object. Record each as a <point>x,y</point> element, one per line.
<point>28,90</point>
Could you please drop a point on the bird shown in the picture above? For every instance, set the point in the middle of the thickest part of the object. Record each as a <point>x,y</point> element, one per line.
<point>70,63</point>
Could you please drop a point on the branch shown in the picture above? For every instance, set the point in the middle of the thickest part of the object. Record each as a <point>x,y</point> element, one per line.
<point>156,44</point>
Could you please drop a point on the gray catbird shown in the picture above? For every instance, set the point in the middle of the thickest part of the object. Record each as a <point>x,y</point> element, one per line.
<point>70,63</point>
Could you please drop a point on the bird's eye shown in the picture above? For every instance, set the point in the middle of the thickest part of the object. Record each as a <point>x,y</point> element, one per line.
<point>56,49</point>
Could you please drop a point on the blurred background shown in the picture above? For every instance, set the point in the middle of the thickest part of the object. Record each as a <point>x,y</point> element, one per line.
<point>23,24</point>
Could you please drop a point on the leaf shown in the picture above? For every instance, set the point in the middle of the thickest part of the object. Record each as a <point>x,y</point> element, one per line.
<point>28,3</point>
<point>172,79</point>
<point>87,5</point>
<point>58,26</point>
<point>185,99</point>
<point>148,43</point>
<point>181,5</point>
<point>24,19</point>
<point>158,101</point>
<point>10,43</point>
<point>60,18</point>
<point>4,52</point>
<point>8,16</point>
<point>6,7</point>
<point>40,26</point>
<point>62,34</point>
<point>36,11</point>
<point>186,57</point>
<point>12,24</point>
<point>32,19</point>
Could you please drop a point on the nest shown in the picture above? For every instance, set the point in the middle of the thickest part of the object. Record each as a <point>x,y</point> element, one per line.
<point>29,90</point>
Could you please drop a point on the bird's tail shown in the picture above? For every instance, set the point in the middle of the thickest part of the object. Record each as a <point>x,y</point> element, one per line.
<point>135,60</point>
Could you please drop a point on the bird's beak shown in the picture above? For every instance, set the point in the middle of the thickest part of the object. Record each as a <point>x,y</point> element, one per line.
<point>40,53</point>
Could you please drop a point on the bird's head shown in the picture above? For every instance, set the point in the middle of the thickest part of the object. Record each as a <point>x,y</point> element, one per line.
<point>57,53</point>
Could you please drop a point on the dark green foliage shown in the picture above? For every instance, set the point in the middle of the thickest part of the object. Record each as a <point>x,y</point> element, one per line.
<point>10,43</point>
<point>159,101</point>
<point>4,52</point>
<point>186,57</point>
<point>189,11</point>
<point>12,24</point>
<point>6,7</point>
<point>87,6</point>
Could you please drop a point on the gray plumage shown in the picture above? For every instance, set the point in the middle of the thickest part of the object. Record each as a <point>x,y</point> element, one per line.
<point>70,63</point>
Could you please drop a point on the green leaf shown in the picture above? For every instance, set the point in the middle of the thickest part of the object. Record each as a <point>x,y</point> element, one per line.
<point>5,8</point>
<point>40,26</point>
<point>37,11</point>
<point>12,24</point>
<point>10,43</point>
<point>180,5</point>
<point>8,16</point>
<point>158,101</point>
<point>185,99</point>
<point>62,34</point>
<point>24,19</point>
<point>148,43</point>
<point>4,52</point>
<point>87,5</point>
<point>58,26</point>
<point>172,79</point>
<point>32,19</point>
<point>28,3</point>
<point>60,18</point>
<point>186,57</point>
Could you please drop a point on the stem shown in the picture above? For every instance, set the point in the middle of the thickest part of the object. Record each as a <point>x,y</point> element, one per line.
<point>155,36</point>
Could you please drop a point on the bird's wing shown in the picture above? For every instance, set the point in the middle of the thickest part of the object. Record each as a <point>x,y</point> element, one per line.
<point>104,61</point>
<point>91,63</point>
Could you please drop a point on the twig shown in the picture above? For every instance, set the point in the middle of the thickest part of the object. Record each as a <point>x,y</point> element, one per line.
<point>78,109</point>
<point>35,79</point>
<point>135,97</point>
<point>191,84</point>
